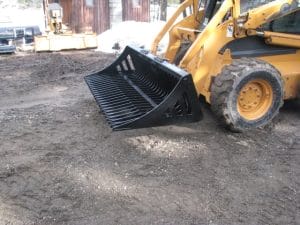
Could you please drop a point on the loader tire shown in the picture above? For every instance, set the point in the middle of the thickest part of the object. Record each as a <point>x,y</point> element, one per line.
<point>247,94</point>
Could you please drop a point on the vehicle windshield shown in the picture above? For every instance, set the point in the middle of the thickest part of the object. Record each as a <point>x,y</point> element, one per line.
<point>247,5</point>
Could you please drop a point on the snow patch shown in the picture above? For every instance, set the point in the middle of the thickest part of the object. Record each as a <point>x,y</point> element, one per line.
<point>133,33</point>
<point>12,16</point>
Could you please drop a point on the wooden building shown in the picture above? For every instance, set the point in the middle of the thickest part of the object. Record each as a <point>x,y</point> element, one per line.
<point>137,10</point>
<point>99,15</point>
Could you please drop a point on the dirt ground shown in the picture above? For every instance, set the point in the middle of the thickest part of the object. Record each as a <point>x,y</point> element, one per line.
<point>60,163</point>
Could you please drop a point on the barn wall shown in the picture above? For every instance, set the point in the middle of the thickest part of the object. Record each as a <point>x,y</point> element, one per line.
<point>67,12</point>
<point>138,10</point>
<point>82,16</point>
<point>91,17</point>
<point>99,15</point>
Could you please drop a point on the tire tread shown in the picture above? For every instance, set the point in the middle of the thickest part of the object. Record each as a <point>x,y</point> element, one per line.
<point>223,85</point>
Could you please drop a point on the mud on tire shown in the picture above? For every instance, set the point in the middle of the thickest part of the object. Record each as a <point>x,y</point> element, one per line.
<point>227,86</point>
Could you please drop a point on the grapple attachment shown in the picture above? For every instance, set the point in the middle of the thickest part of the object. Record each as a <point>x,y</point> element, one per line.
<point>140,90</point>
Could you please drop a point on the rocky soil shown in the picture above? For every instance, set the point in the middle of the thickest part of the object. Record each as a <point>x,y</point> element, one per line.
<point>60,163</point>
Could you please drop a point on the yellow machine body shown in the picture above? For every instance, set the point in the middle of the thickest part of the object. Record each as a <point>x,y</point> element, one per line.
<point>238,54</point>
<point>58,42</point>
<point>204,60</point>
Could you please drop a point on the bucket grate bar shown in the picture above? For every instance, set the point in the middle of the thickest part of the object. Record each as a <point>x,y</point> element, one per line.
<point>119,99</point>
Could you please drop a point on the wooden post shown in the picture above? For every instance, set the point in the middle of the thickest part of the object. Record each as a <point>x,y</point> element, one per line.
<point>101,16</point>
<point>163,10</point>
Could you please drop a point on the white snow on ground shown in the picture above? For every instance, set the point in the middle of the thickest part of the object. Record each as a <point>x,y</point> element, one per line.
<point>124,33</point>
<point>12,15</point>
<point>136,33</point>
<point>25,17</point>
<point>131,33</point>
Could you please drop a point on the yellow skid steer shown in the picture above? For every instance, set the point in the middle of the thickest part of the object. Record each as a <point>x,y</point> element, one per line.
<point>242,56</point>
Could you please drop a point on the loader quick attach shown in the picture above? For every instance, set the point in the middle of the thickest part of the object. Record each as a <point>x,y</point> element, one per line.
<point>140,90</point>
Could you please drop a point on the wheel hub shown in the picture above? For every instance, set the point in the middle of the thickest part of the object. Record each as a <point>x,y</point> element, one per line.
<point>255,99</point>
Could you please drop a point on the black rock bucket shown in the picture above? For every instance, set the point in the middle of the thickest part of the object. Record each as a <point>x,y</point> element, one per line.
<point>140,90</point>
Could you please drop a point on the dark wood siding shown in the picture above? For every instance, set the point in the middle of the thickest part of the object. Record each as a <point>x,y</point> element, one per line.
<point>138,10</point>
<point>67,12</point>
<point>95,17</point>
<point>101,16</point>
<point>82,16</point>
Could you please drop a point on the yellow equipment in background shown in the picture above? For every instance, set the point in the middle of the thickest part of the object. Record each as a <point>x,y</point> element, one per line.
<point>59,36</point>
<point>242,56</point>
<point>54,17</point>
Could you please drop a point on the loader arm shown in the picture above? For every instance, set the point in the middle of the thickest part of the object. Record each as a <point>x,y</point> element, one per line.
<point>239,23</point>
<point>203,59</point>
<point>172,20</point>
<point>278,39</point>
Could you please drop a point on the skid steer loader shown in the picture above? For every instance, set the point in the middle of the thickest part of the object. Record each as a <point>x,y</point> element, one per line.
<point>242,56</point>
